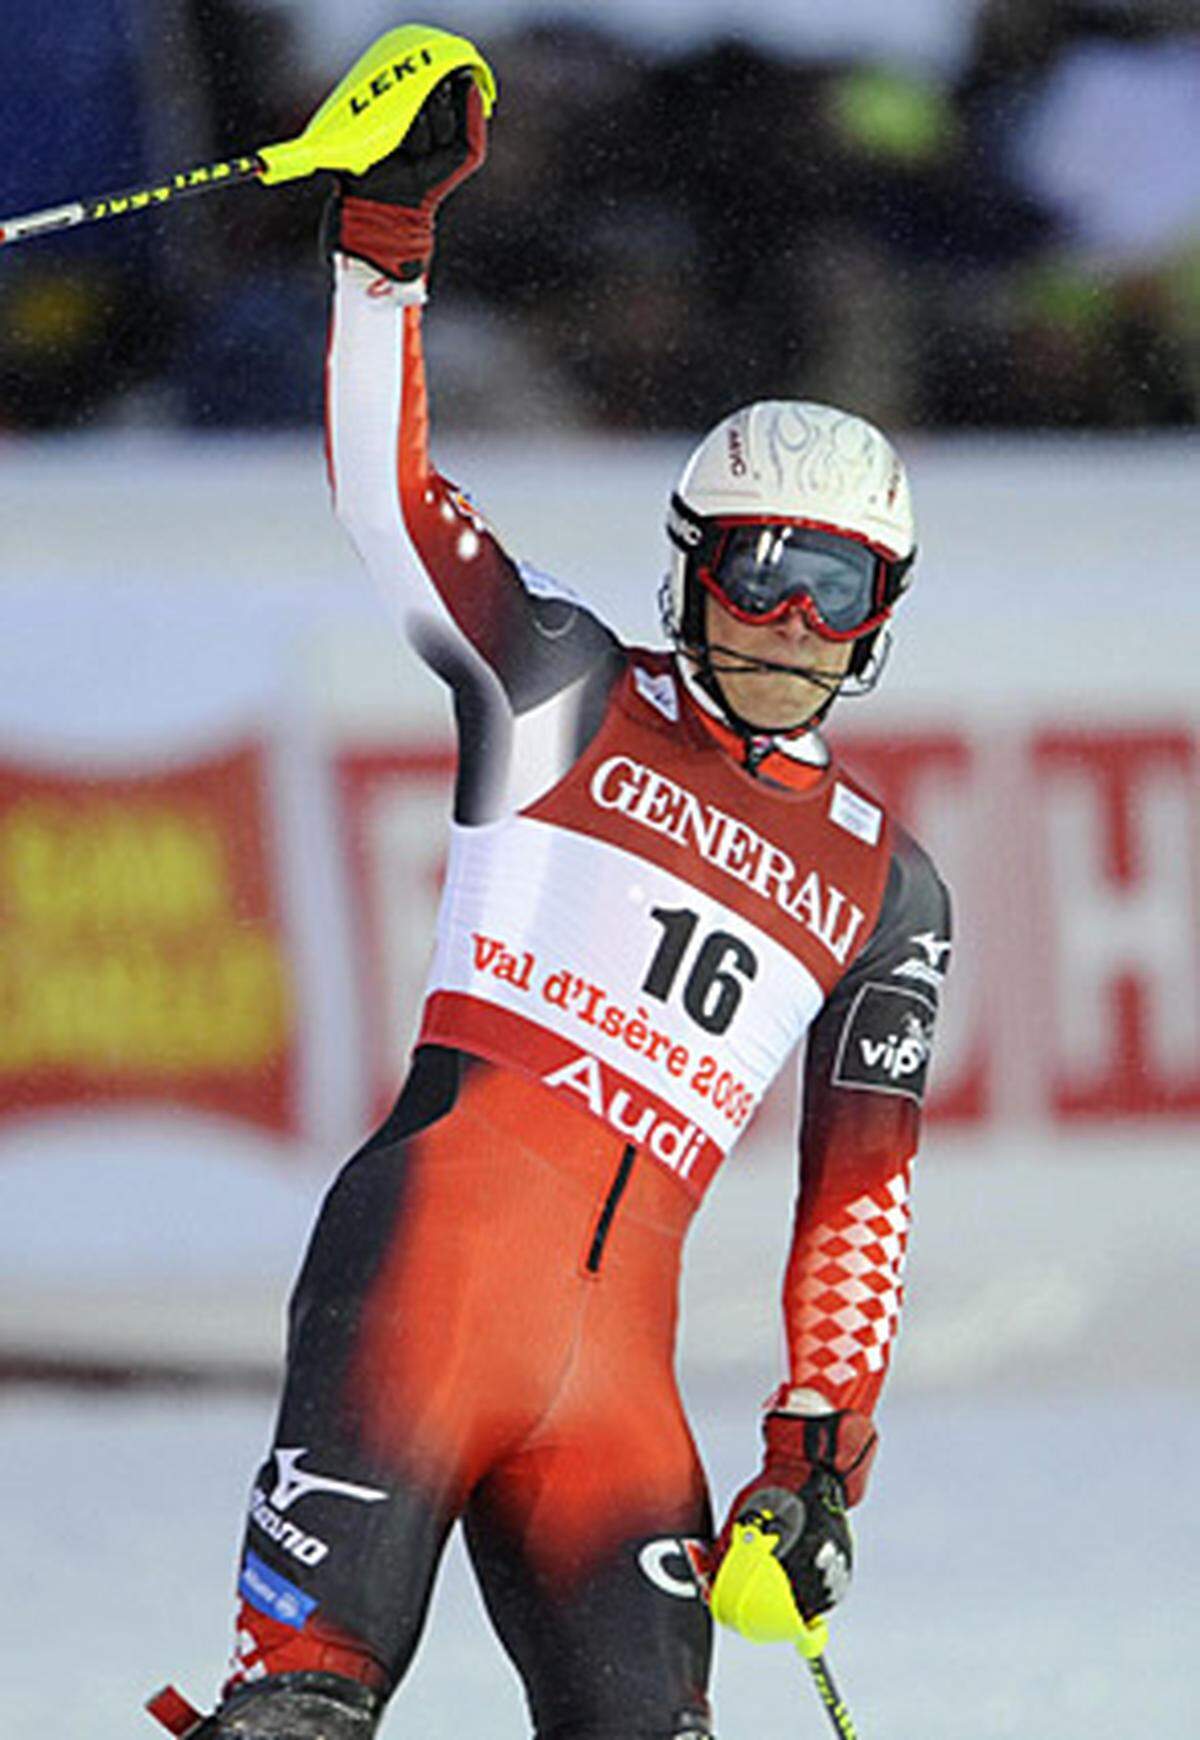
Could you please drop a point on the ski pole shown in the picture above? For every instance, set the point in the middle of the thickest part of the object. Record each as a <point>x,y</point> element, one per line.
<point>811,1650</point>
<point>361,121</point>
<point>751,1594</point>
<point>110,205</point>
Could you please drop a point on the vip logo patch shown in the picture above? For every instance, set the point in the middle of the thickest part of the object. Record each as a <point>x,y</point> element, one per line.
<point>886,1042</point>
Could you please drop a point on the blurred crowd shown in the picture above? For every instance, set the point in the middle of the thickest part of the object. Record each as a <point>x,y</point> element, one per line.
<point>656,237</point>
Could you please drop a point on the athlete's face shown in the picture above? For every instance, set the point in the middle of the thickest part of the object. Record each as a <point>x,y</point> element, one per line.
<point>773,700</point>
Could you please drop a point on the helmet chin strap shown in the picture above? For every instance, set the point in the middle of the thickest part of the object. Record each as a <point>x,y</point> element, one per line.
<point>702,678</point>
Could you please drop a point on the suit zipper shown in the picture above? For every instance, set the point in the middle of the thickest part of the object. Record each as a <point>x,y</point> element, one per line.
<point>616,1191</point>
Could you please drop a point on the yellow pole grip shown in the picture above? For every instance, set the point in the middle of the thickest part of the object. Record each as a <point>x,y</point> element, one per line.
<point>751,1594</point>
<point>368,114</point>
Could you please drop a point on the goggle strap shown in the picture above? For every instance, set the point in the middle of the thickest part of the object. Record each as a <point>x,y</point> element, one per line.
<point>686,530</point>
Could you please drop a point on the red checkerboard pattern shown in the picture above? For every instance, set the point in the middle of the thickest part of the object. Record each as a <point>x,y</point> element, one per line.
<point>846,1288</point>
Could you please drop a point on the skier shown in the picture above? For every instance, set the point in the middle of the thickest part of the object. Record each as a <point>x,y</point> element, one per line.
<point>659,883</point>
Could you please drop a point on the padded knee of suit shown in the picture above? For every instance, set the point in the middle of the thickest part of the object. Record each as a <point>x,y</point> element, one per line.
<point>300,1707</point>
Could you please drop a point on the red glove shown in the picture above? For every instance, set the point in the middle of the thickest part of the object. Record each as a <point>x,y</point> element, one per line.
<point>815,1467</point>
<point>386,217</point>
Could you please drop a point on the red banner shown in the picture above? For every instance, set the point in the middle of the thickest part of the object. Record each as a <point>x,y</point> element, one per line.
<point>1121,844</point>
<point>144,957</point>
<point>395,808</point>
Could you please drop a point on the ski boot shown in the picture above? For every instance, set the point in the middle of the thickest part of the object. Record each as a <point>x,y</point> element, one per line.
<point>301,1706</point>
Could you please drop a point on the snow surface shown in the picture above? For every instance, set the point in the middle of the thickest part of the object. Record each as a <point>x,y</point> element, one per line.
<point>1026,1558</point>
<point>1026,1569</point>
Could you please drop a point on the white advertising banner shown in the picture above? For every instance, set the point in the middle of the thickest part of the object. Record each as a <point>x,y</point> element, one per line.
<point>224,784</point>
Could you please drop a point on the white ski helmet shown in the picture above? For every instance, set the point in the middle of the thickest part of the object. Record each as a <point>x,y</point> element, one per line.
<point>791,463</point>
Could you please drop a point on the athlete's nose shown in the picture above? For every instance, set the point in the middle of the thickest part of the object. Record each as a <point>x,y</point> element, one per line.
<point>792,627</point>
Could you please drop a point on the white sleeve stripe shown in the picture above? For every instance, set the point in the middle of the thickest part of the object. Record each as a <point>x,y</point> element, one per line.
<point>366,388</point>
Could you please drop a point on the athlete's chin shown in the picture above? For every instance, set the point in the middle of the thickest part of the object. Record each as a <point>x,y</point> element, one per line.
<point>779,712</point>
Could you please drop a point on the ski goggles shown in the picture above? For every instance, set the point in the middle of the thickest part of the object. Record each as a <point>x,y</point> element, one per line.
<point>842,585</point>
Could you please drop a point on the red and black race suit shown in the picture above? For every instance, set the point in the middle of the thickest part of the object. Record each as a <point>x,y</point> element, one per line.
<point>636,933</point>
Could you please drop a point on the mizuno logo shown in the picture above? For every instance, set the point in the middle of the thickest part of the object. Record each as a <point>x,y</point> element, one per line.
<point>294,1482</point>
<point>927,971</point>
<point>935,946</point>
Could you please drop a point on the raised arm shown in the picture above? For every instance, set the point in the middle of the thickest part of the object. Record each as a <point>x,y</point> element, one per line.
<point>473,612</point>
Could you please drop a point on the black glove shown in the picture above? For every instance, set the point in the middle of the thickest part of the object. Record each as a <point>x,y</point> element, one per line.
<point>813,1469</point>
<point>386,217</point>
<point>816,1548</point>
